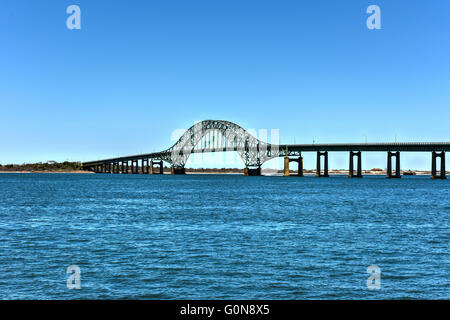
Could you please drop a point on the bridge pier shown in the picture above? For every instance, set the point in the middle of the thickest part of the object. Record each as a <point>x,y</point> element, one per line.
<point>161,167</point>
<point>287,160</point>
<point>252,171</point>
<point>134,167</point>
<point>325,164</point>
<point>434,157</point>
<point>177,170</point>
<point>145,166</point>
<point>351,172</point>
<point>389,165</point>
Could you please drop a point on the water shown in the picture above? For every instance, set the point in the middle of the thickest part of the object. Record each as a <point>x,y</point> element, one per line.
<point>223,237</point>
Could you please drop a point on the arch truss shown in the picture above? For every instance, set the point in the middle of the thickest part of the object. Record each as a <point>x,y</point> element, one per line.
<point>220,136</point>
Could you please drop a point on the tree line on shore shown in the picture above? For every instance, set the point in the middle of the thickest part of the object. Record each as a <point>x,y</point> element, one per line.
<point>51,166</point>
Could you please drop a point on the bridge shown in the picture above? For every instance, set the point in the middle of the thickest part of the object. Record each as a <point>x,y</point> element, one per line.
<point>224,136</point>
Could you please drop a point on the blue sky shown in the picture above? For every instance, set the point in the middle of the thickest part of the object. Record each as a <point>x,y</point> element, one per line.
<point>138,70</point>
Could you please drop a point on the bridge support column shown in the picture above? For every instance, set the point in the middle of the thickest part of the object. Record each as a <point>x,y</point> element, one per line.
<point>178,170</point>
<point>286,167</point>
<point>434,157</point>
<point>145,166</point>
<point>300,166</point>
<point>325,164</point>
<point>134,166</point>
<point>156,171</point>
<point>287,160</point>
<point>389,165</point>
<point>252,171</point>
<point>108,167</point>
<point>351,171</point>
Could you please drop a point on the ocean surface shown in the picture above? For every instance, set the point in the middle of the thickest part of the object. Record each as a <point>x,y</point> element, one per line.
<point>223,237</point>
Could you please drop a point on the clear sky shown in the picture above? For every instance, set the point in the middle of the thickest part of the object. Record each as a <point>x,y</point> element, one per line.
<point>138,70</point>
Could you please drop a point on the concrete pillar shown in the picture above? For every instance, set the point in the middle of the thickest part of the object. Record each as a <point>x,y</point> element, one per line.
<point>443,165</point>
<point>161,167</point>
<point>318,164</point>
<point>151,167</point>
<point>252,171</point>
<point>300,166</point>
<point>178,170</point>
<point>397,165</point>
<point>442,173</point>
<point>286,166</point>
<point>325,164</point>
<point>389,165</point>
<point>350,166</point>
<point>325,169</point>
<point>359,168</point>
<point>351,170</point>
<point>433,165</point>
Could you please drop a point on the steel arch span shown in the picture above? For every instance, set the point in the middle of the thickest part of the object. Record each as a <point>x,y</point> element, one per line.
<point>220,136</point>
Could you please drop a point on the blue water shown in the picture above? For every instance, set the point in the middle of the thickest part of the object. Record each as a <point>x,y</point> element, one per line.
<point>223,237</point>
